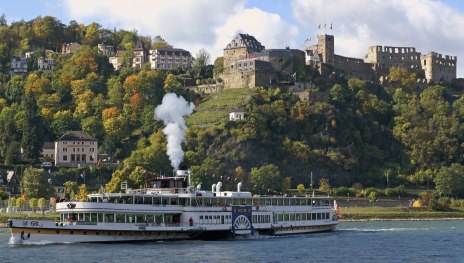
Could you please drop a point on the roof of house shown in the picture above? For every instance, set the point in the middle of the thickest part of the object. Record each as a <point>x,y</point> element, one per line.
<point>138,45</point>
<point>170,49</point>
<point>245,40</point>
<point>76,136</point>
<point>8,177</point>
<point>49,145</point>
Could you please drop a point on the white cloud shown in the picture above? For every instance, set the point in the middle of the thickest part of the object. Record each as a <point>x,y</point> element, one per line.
<point>188,24</point>
<point>424,24</point>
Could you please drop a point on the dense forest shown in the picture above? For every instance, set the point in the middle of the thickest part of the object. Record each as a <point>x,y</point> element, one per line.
<point>350,132</point>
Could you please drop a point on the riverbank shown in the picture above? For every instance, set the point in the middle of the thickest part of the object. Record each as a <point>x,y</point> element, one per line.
<point>350,214</point>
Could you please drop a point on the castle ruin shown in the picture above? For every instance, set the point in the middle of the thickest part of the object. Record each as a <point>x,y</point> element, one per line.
<point>248,64</point>
<point>432,67</point>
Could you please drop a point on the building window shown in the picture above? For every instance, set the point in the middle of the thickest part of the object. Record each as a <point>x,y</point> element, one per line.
<point>82,149</point>
<point>65,149</point>
<point>65,157</point>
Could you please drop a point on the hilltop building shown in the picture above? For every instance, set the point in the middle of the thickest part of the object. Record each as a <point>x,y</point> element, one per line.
<point>170,58</point>
<point>138,60</point>
<point>375,66</point>
<point>248,64</point>
<point>139,55</point>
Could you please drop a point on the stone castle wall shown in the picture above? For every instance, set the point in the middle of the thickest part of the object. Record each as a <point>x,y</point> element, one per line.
<point>354,67</point>
<point>439,67</point>
<point>379,60</point>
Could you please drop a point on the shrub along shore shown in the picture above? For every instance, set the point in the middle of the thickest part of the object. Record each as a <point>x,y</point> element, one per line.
<point>351,214</point>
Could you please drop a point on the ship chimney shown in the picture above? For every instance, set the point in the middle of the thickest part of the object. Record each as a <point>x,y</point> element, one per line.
<point>213,188</point>
<point>218,187</point>
<point>239,186</point>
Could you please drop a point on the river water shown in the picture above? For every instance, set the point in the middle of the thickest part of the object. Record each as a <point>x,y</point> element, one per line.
<point>404,241</point>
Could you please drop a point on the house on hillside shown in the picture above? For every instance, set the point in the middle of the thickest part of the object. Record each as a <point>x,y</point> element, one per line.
<point>236,115</point>
<point>9,182</point>
<point>170,58</point>
<point>45,64</point>
<point>138,60</point>
<point>70,48</point>
<point>76,149</point>
<point>18,65</point>
<point>139,55</point>
<point>48,151</point>
<point>105,50</point>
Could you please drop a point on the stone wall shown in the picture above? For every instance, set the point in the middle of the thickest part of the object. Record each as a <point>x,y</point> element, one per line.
<point>354,67</point>
<point>207,89</point>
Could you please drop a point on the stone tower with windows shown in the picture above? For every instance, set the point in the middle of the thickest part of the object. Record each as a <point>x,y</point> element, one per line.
<point>240,48</point>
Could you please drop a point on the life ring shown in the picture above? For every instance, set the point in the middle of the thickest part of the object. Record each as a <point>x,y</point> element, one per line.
<point>257,208</point>
<point>224,208</point>
<point>173,190</point>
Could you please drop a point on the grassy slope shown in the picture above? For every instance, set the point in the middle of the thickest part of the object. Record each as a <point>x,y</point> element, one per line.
<point>217,106</point>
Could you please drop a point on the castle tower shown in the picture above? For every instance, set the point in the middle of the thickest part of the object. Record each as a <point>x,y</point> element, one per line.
<point>240,47</point>
<point>325,47</point>
<point>438,67</point>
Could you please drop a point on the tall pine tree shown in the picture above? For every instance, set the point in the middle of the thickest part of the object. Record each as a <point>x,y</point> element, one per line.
<point>31,129</point>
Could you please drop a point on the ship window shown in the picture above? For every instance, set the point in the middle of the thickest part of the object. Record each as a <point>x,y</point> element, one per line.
<point>120,218</point>
<point>286,217</point>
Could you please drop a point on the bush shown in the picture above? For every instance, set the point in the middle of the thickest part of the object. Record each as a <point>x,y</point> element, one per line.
<point>368,190</point>
<point>344,191</point>
<point>442,204</point>
<point>397,191</point>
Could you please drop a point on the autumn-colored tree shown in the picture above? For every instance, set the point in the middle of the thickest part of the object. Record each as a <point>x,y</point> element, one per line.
<point>171,84</point>
<point>33,203</point>
<point>36,84</point>
<point>82,193</point>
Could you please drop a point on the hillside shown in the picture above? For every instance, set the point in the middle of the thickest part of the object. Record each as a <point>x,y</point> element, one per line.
<point>216,107</point>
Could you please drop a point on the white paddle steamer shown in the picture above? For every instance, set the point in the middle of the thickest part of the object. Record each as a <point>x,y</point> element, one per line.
<point>172,210</point>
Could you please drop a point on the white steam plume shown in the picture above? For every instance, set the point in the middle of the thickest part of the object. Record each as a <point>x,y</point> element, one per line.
<point>172,111</point>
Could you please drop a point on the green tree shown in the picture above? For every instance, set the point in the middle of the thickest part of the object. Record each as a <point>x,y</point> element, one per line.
<point>372,197</point>
<point>300,188</point>
<point>20,203</point>
<point>324,185</point>
<point>171,84</point>
<point>63,121</point>
<point>266,179</point>
<point>70,187</point>
<point>402,78</point>
<point>8,134</point>
<point>138,177</point>
<point>450,180</point>
<point>34,184</point>
<point>199,64</point>
<point>159,42</point>
<point>41,204</point>
<point>31,130</point>
<point>218,66</point>
<point>33,203</point>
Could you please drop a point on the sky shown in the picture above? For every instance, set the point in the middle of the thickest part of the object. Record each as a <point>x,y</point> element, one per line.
<point>428,25</point>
